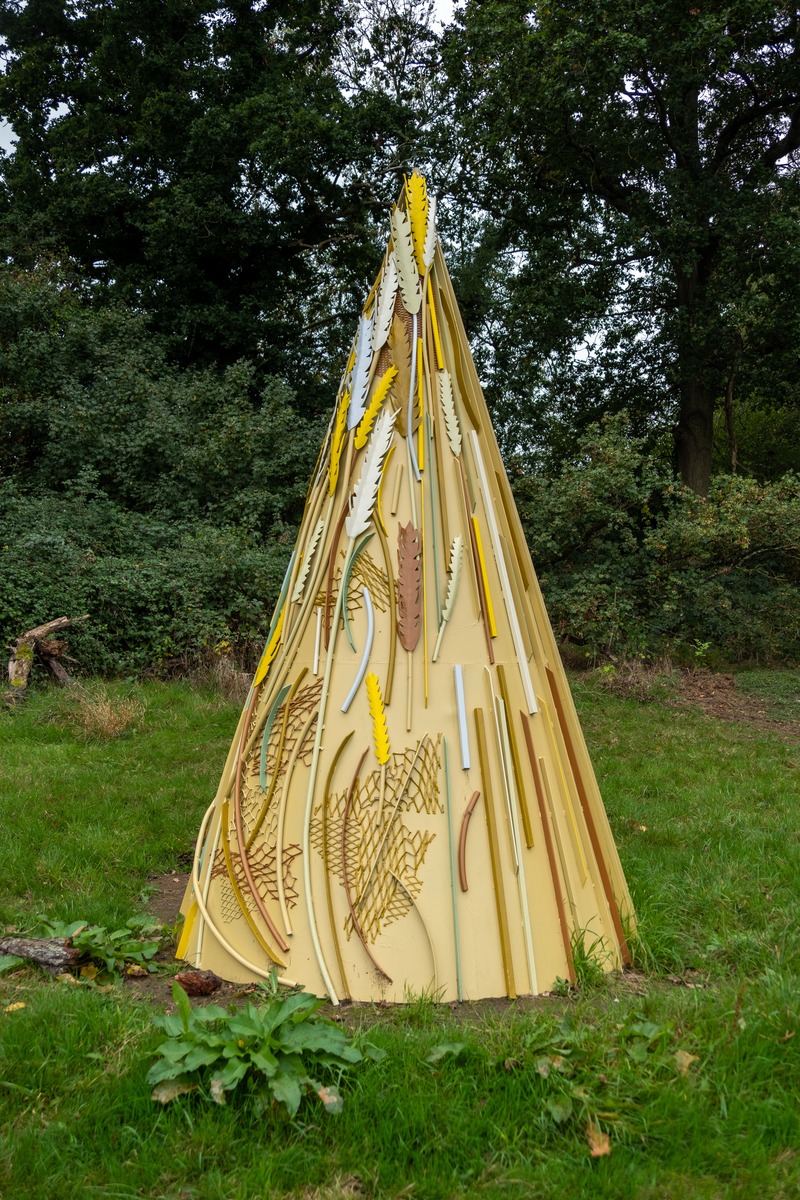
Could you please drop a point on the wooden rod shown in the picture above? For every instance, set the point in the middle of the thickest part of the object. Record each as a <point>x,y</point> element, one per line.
<point>494,854</point>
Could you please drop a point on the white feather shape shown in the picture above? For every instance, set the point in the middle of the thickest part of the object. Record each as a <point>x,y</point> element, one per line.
<point>449,409</point>
<point>309,554</point>
<point>452,588</point>
<point>429,246</point>
<point>384,305</point>
<point>407,273</point>
<point>358,386</point>
<point>363,500</point>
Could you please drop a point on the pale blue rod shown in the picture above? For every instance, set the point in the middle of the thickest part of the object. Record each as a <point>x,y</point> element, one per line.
<point>367,650</point>
<point>456,935</point>
<point>412,389</point>
<point>462,717</point>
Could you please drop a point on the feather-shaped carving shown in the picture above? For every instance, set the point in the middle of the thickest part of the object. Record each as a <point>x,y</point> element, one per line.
<point>374,406</point>
<point>449,409</point>
<point>309,554</point>
<point>360,377</point>
<point>363,501</point>
<point>378,714</point>
<point>417,207</point>
<point>400,349</point>
<point>409,589</point>
<point>456,551</point>
<point>429,249</point>
<point>407,273</point>
<point>384,305</point>
<point>337,440</point>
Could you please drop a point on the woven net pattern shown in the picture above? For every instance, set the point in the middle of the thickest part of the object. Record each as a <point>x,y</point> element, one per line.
<point>382,856</point>
<point>261,858</point>
<point>365,574</point>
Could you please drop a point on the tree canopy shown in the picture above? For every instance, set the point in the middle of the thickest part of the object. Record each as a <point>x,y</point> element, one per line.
<point>638,163</point>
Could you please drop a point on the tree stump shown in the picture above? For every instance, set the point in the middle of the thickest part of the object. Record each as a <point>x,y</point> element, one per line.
<point>23,650</point>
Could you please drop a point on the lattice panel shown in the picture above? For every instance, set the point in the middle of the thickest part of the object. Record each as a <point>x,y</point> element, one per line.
<point>383,856</point>
<point>304,702</point>
<point>365,574</point>
<point>262,860</point>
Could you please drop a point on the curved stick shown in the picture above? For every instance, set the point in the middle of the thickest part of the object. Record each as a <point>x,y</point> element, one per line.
<point>201,904</point>
<point>378,510</point>
<point>337,533</point>
<point>237,817</point>
<point>270,721</point>
<point>367,650</point>
<point>282,821</point>
<point>418,911</point>
<point>398,801</point>
<point>328,890</point>
<point>345,585</point>
<point>345,874</point>
<point>462,841</point>
<point>278,755</point>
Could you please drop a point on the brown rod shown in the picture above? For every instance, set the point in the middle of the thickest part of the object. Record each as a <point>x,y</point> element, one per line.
<point>387,693</point>
<point>589,818</point>
<point>345,989</point>
<point>237,816</point>
<point>337,533</point>
<point>462,841</point>
<point>476,564</point>
<point>515,759</point>
<point>345,874</point>
<point>494,854</point>
<point>548,841</point>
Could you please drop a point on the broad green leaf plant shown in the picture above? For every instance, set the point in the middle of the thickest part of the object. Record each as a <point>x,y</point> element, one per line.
<point>280,1051</point>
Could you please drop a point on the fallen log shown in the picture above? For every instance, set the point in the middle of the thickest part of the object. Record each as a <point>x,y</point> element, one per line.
<point>22,652</point>
<point>54,954</point>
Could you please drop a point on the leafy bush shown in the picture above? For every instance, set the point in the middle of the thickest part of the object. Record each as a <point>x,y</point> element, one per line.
<point>275,1050</point>
<point>106,955</point>
<point>629,561</point>
<point>154,589</point>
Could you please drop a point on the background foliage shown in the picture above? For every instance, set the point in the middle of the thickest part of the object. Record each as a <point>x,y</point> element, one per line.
<point>193,210</point>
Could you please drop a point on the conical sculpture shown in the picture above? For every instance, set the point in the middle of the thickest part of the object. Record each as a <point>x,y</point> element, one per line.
<point>408,805</point>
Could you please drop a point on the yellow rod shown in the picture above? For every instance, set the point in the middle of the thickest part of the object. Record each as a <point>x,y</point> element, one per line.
<point>485,578</point>
<point>437,341</point>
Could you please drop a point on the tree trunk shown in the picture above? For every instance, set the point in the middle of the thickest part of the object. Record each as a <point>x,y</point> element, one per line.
<point>694,436</point>
<point>22,651</point>
<point>54,954</point>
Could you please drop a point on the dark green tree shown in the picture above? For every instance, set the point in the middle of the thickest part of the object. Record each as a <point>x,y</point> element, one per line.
<point>637,164</point>
<point>201,163</point>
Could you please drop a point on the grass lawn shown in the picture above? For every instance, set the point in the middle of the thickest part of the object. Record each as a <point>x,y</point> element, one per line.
<point>690,1064</point>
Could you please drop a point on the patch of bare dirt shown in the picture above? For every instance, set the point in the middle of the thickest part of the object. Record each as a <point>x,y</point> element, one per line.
<point>718,695</point>
<point>165,902</point>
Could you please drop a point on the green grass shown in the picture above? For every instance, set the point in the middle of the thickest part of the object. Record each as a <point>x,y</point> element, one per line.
<point>714,874</point>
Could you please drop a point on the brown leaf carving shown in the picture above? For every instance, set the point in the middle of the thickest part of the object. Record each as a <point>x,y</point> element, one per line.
<point>409,592</point>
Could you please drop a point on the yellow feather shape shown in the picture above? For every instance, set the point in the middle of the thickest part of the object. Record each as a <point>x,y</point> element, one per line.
<point>379,730</point>
<point>337,440</point>
<point>417,206</point>
<point>373,408</point>
<point>270,651</point>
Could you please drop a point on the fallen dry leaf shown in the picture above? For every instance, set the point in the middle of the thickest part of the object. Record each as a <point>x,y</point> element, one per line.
<point>136,971</point>
<point>65,977</point>
<point>599,1144</point>
<point>684,1060</point>
<point>168,1089</point>
<point>16,1006</point>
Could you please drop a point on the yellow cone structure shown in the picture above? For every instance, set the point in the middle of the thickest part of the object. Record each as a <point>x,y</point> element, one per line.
<point>408,805</point>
